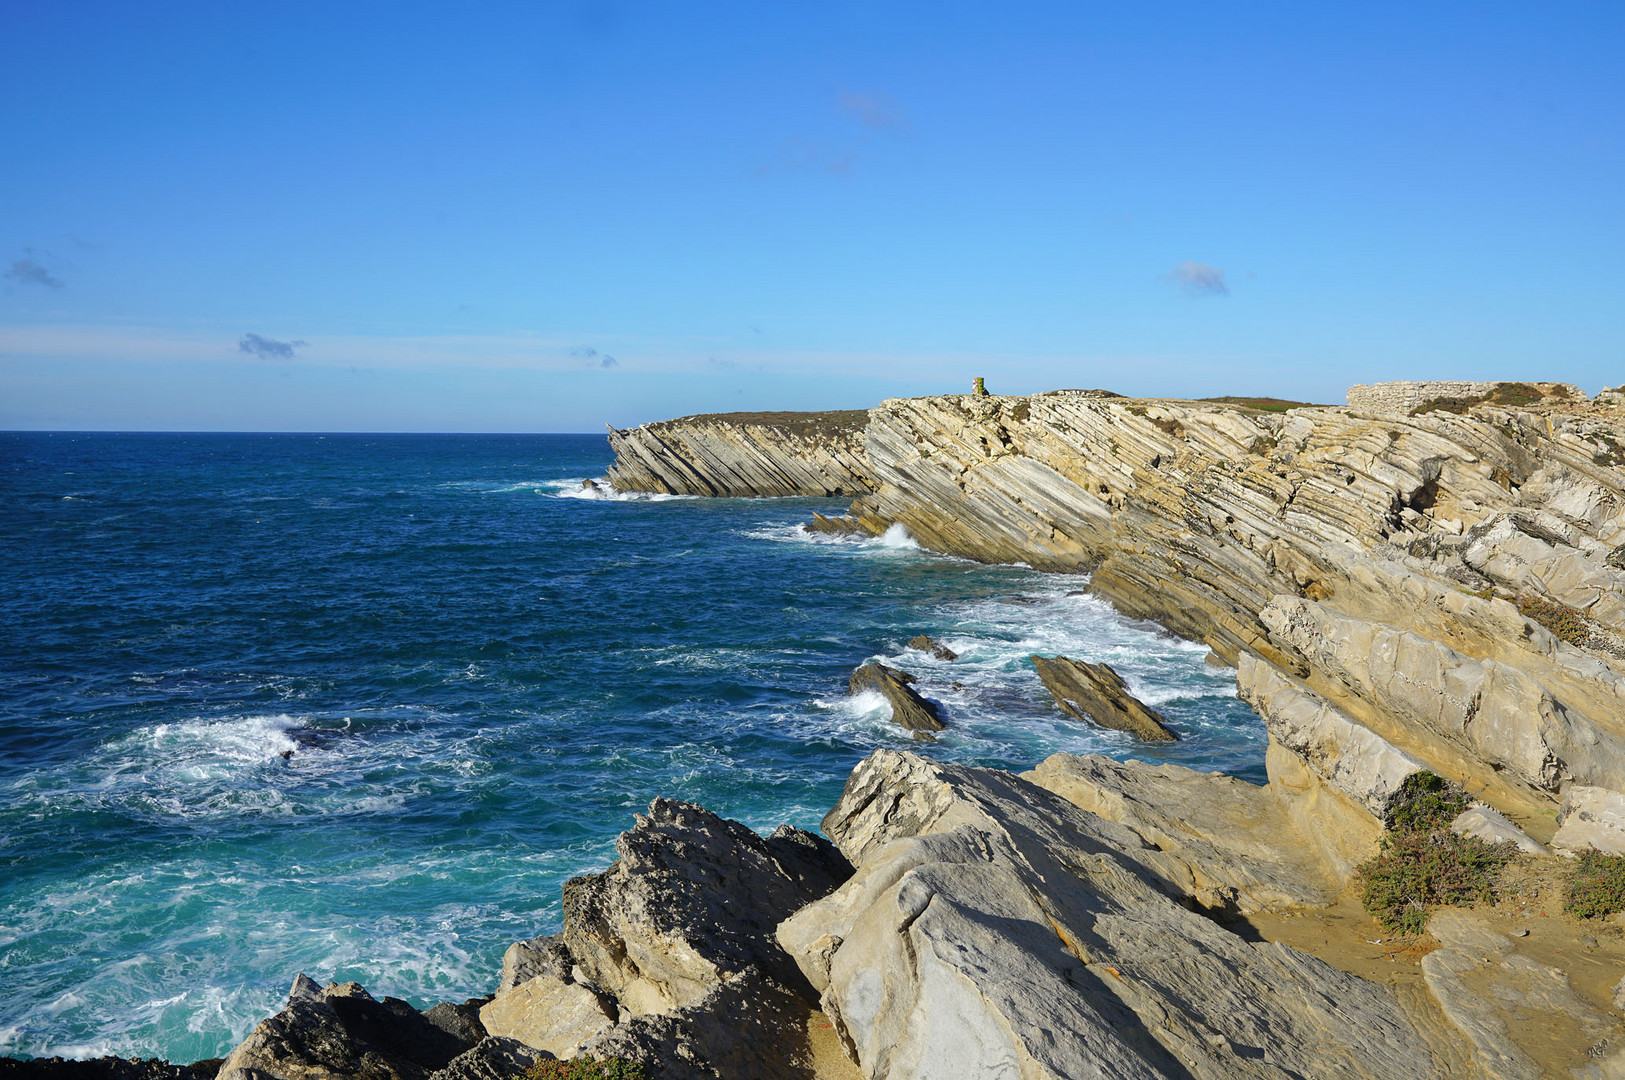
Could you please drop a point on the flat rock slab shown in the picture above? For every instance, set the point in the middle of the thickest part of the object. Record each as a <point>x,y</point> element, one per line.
<point>1096,693</point>
<point>995,929</point>
<point>908,708</point>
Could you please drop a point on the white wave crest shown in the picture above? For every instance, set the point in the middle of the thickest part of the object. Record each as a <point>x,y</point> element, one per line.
<point>597,490</point>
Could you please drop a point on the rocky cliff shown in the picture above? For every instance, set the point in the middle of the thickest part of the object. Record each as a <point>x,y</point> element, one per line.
<point>1439,584</point>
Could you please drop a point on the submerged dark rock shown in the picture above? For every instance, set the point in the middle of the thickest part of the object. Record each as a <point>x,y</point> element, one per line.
<point>927,644</point>
<point>908,708</point>
<point>1096,692</point>
<point>341,1031</point>
<point>107,1068</point>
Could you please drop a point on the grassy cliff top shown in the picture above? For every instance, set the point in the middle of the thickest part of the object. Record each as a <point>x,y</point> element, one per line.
<point>798,423</point>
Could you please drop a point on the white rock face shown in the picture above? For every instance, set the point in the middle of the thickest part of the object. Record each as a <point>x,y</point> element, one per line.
<point>1222,842</point>
<point>993,929</point>
<point>1494,827</point>
<point>1591,817</point>
<point>550,1014</point>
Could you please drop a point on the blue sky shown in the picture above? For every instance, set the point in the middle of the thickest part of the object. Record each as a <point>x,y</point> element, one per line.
<point>543,217</point>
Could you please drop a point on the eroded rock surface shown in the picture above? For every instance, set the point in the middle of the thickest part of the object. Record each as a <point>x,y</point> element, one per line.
<point>1095,693</point>
<point>1424,580</point>
<point>1513,1010</point>
<point>993,928</point>
<point>340,1031</point>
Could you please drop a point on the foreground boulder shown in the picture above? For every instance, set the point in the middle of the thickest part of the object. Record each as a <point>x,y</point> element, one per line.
<point>669,958</point>
<point>340,1031</point>
<point>1095,692</point>
<point>994,929</point>
<point>908,708</point>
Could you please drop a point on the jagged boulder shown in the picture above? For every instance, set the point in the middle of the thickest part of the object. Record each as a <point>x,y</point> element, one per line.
<point>993,928</point>
<point>908,709</point>
<point>927,644</point>
<point>750,1028</point>
<point>493,1058</point>
<point>691,902</point>
<point>1095,692</point>
<point>340,1031</point>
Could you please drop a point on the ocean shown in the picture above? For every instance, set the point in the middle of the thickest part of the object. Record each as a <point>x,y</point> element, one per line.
<point>358,705</point>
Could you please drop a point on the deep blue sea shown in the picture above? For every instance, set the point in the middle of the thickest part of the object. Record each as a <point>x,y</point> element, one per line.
<point>357,705</point>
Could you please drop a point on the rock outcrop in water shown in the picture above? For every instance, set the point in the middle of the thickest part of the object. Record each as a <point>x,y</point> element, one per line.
<point>908,709</point>
<point>1096,693</point>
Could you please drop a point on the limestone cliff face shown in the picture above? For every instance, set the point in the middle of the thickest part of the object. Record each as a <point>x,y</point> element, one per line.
<point>1375,568</point>
<point>744,454</point>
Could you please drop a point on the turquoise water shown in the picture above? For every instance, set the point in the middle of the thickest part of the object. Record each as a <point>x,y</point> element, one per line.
<point>358,705</point>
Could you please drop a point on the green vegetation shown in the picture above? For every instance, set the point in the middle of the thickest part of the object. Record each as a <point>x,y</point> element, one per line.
<point>795,423</point>
<point>1423,864</point>
<point>1598,886</point>
<point>1563,621</point>
<point>1426,801</point>
<point>587,1069</point>
<point>1263,404</point>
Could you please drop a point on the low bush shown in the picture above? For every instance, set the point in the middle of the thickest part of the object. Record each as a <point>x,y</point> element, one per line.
<point>1418,871</point>
<point>587,1069</point>
<point>1422,863</point>
<point>1426,801</point>
<point>1563,621</point>
<point>1598,886</point>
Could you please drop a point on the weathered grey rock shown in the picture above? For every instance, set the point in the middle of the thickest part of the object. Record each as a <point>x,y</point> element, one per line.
<point>494,1058</point>
<point>1342,751</point>
<point>1498,714</point>
<point>1591,817</point>
<point>1494,827</point>
<point>461,1020</point>
<point>908,709</point>
<point>927,644</point>
<point>691,902</point>
<point>1095,692</point>
<point>1494,995</point>
<point>551,1013</point>
<point>995,929</point>
<point>523,960</point>
<point>340,1031</point>
<point>750,1028</point>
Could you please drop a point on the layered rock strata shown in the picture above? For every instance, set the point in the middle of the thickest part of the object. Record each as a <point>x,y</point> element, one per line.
<point>1096,693</point>
<point>1444,590</point>
<point>995,929</point>
<point>908,709</point>
<point>744,454</point>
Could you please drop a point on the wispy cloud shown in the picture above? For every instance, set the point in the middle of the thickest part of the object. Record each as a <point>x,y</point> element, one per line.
<point>30,271</point>
<point>268,348</point>
<point>874,111</point>
<point>593,358</point>
<point>1198,279</point>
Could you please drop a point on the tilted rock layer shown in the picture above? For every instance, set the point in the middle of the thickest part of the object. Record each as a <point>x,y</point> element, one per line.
<point>1444,590</point>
